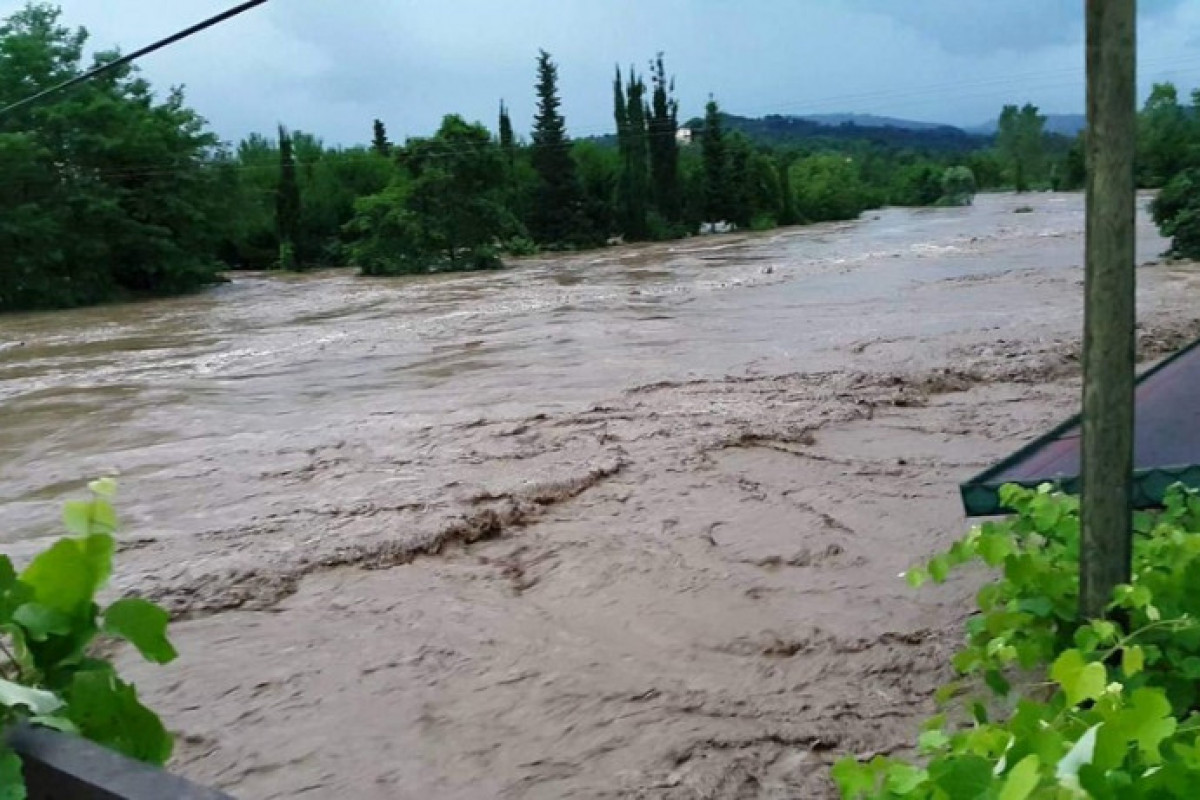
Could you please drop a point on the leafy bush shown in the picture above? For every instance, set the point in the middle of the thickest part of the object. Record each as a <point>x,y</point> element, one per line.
<point>763,222</point>
<point>519,246</point>
<point>1101,708</point>
<point>49,621</point>
<point>958,187</point>
<point>1176,210</point>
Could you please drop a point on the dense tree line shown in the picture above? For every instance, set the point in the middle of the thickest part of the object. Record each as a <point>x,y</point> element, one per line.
<point>106,192</point>
<point>1169,159</point>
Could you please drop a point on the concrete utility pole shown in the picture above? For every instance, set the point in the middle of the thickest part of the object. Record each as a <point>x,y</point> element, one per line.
<point>1110,308</point>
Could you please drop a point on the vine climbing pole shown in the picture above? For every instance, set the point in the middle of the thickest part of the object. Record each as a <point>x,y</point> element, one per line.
<point>1109,303</point>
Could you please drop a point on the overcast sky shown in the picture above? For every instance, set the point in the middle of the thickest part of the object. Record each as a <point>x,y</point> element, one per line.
<point>331,66</point>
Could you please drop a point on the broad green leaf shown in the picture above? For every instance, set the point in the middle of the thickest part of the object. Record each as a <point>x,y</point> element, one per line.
<point>77,517</point>
<point>1038,606</point>
<point>107,711</point>
<point>995,548</point>
<point>1133,660</point>
<point>916,577</point>
<point>997,682</point>
<point>903,779</point>
<point>67,576</point>
<point>930,741</point>
<point>142,624</point>
<point>939,569</point>
<point>36,700</point>
<point>854,779</point>
<point>963,777</point>
<point>1105,630</point>
<point>1148,721</point>
<point>12,779</point>
<point>55,722</point>
<point>1080,680</point>
<point>104,519</point>
<point>41,621</point>
<point>1022,780</point>
<point>8,575</point>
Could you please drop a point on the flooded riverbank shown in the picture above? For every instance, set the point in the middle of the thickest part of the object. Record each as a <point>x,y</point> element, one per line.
<point>691,472</point>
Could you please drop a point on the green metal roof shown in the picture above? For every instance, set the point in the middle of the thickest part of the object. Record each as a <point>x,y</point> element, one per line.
<point>1166,443</point>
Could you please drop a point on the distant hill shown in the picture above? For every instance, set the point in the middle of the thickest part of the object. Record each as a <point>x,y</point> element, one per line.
<point>871,121</point>
<point>832,128</point>
<point>1062,124</point>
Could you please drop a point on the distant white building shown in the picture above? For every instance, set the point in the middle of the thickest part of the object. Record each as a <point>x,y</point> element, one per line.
<point>684,136</point>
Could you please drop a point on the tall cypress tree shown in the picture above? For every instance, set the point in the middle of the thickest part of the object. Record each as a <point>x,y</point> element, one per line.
<point>716,168</point>
<point>636,165</point>
<point>556,216</point>
<point>379,141</point>
<point>664,147</point>
<point>287,203</point>
<point>508,142</point>
<point>621,116</point>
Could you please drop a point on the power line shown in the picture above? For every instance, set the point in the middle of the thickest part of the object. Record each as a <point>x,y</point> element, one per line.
<point>123,60</point>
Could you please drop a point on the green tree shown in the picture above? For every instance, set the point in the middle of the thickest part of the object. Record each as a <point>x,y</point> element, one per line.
<point>379,139</point>
<point>958,187</point>
<point>1020,139</point>
<point>1167,137</point>
<point>828,187</point>
<point>287,203</point>
<point>87,211</point>
<point>664,147</point>
<point>446,214</point>
<point>599,170</point>
<point>717,203</point>
<point>1071,172</point>
<point>1176,209</point>
<point>508,140</point>
<point>556,214</point>
<point>634,185</point>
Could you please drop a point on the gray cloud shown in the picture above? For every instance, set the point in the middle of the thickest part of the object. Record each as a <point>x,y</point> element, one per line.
<point>331,67</point>
<point>985,27</point>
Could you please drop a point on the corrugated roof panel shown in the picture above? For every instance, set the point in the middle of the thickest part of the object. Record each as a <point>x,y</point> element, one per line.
<point>1166,443</point>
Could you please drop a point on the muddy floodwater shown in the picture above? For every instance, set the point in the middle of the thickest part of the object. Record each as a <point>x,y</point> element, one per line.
<point>614,524</point>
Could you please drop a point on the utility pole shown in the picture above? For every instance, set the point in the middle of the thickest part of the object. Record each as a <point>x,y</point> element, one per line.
<point>1110,307</point>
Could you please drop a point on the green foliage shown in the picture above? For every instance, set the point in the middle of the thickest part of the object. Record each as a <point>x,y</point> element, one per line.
<point>718,205</point>
<point>1167,137</point>
<point>1020,140</point>
<point>633,195</point>
<point>600,173</point>
<point>958,187</point>
<point>380,144</point>
<point>556,216</point>
<point>287,203</point>
<point>1103,708</point>
<point>87,211</point>
<point>49,622</point>
<point>828,187</point>
<point>448,215</point>
<point>1071,173</point>
<point>1176,210</point>
<point>664,149</point>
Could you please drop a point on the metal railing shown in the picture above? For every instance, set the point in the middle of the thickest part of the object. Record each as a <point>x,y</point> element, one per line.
<point>59,766</point>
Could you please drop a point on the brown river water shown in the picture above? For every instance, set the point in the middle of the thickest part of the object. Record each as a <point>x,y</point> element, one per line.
<point>614,524</point>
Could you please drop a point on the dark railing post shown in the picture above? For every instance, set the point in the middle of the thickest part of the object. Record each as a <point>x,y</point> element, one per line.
<point>59,766</point>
